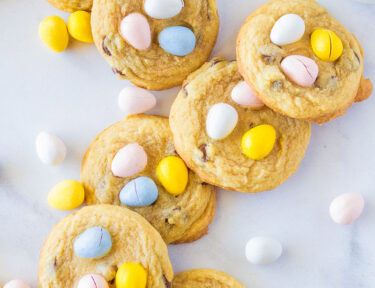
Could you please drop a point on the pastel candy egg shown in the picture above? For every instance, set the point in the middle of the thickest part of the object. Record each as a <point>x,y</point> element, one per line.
<point>16,284</point>
<point>346,208</point>
<point>92,281</point>
<point>172,174</point>
<point>79,26</point>
<point>221,119</point>
<point>136,30</point>
<point>50,149</point>
<point>95,242</point>
<point>287,29</point>
<point>177,40</point>
<point>258,142</point>
<point>242,94</point>
<point>300,69</point>
<point>54,34</point>
<point>133,100</point>
<point>163,9</point>
<point>326,45</point>
<point>66,195</point>
<point>130,160</point>
<point>141,191</point>
<point>131,275</point>
<point>263,250</point>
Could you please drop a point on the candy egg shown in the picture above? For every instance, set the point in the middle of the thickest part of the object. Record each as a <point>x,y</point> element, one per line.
<point>141,191</point>
<point>263,250</point>
<point>326,45</point>
<point>95,242</point>
<point>300,69</point>
<point>163,9</point>
<point>221,119</point>
<point>92,281</point>
<point>136,30</point>
<point>346,208</point>
<point>258,142</point>
<point>79,26</point>
<point>133,100</point>
<point>53,32</point>
<point>131,275</point>
<point>172,174</point>
<point>66,195</point>
<point>177,40</point>
<point>287,29</point>
<point>50,149</point>
<point>242,94</point>
<point>130,160</point>
<point>16,284</point>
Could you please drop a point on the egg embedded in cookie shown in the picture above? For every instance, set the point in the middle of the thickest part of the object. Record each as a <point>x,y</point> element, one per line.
<point>155,44</point>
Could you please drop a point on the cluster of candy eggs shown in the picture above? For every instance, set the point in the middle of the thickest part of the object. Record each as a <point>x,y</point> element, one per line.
<point>176,40</point>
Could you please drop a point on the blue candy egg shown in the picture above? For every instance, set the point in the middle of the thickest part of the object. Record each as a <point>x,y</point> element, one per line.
<point>177,40</point>
<point>141,191</point>
<point>95,242</point>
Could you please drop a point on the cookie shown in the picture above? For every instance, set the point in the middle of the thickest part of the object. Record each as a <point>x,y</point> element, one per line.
<point>205,278</point>
<point>63,261</point>
<point>181,218</point>
<point>72,5</point>
<point>130,40</point>
<point>317,89</point>
<point>232,162</point>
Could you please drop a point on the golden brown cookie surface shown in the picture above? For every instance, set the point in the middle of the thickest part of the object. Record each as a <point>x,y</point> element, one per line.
<point>72,5</point>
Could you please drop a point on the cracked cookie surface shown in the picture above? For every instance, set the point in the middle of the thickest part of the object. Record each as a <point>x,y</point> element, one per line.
<point>72,5</point>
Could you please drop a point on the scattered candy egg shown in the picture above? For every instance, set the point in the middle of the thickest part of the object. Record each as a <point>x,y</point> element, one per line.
<point>172,174</point>
<point>136,30</point>
<point>346,208</point>
<point>326,45</point>
<point>258,142</point>
<point>129,160</point>
<point>53,32</point>
<point>221,119</point>
<point>300,69</point>
<point>50,149</point>
<point>242,94</point>
<point>263,250</point>
<point>79,26</point>
<point>95,242</point>
<point>177,40</point>
<point>92,281</point>
<point>134,100</point>
<point>287,29</point>
<point>141,191</point>
<point>16,284</point>
<point>131,275</point>
<point>66,195</point>
<point>163,9</point>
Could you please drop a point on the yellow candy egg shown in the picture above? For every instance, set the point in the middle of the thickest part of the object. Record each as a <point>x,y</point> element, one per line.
<point>66,195</point>
<point>326,45</point>
<point>258,142</point>
<point>173,174</point>
<point>131,275</point>
<point>54,34</point>
<point>79,26</point>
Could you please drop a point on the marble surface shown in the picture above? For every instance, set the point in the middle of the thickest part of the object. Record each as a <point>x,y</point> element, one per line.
<point>74,95</point>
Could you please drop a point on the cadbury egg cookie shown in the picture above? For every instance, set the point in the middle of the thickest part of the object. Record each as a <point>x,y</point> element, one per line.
<point>205,278</point>
<point>228,137</point>
<point>133,163</point>
<point>72,5</point>
<point>155,44</point>
<point>301,61</point>
<point>104,244</point>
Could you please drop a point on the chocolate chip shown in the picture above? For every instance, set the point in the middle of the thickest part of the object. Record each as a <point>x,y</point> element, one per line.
<point>251,125</point>
<point>204,184</point>
<point>185,89</point>
<point>55,262</point>
<point>270,53</point>
<point>116,71</point>
<point>203,149</point>
<point>278,84</point>
<point>105,49</point>
<point>357,56</point>
<point>214,62</point>
<point>166,282</point>
<point>268,59</point>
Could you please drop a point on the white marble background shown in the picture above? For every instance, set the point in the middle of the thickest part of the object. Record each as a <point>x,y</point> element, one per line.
<point>74,95</point>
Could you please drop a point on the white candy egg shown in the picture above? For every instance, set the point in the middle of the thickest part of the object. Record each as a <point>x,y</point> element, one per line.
<point>346,208</point>
<point>287,29</point>
<point>263,250</point>
<point>163,9</point>
<point>51,149</point>
<point>221,119</point>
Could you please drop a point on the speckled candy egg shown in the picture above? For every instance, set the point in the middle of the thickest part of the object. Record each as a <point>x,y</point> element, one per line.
<point>50,149</point>
<point>163,9</point>
<point>129,160</point>
<point>16,284</point>
<point>136,30</point>
<point>287,29</point>
<point>141,191</point>
<point>221,119</point>
<point>134,100</point>
<point>177,40</point>
<point>263,250</point>
<point>243,95</point>
<point>92,281</point>
<point>95,242</point>
<point>300,69</point>
<point>346,208</point>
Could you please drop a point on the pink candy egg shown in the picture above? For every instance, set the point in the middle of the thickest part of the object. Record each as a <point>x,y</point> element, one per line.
<point>92,281</point>
<point>346,208</point>
<point>129,160</point>
<point>242,94</point>
<point>300,69</point>
<point>133,100</point>
<point>16,284</point>
<point>136,30</point>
